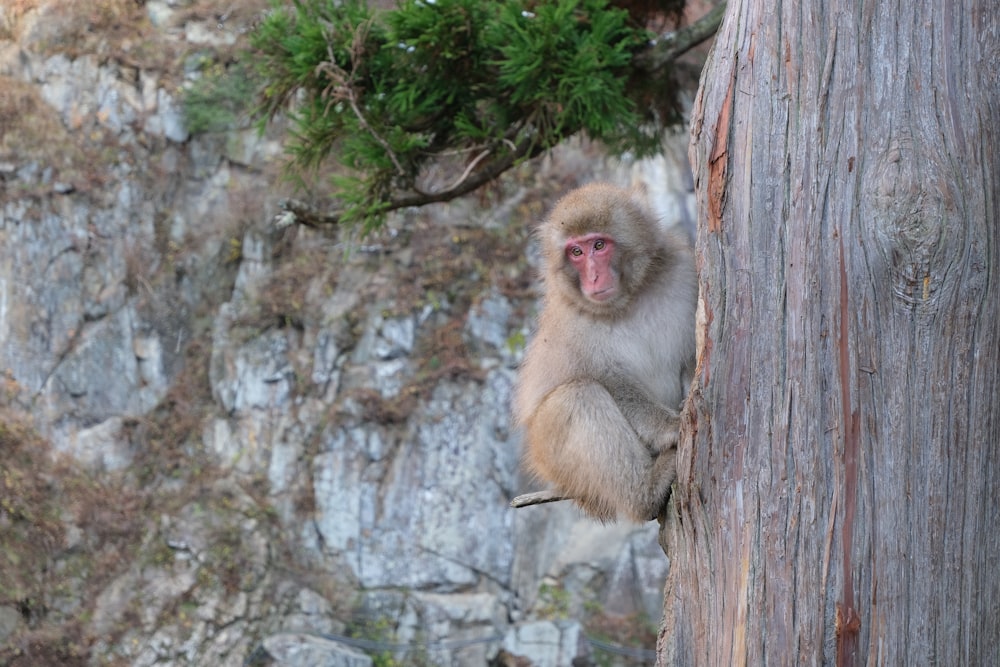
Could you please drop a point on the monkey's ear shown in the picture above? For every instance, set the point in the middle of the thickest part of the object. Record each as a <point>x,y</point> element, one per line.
<point>639,189</point>
<point>639,192</point>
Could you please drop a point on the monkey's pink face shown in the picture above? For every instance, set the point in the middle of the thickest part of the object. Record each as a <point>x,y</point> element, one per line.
<point>591,255</point>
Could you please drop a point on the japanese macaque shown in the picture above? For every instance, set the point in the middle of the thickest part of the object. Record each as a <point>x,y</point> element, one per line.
<point>609,365</point>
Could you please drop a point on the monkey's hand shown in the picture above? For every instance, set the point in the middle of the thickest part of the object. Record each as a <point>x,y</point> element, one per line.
<point>657,427</point>
<point>667,437</point>
<point>664,474</point>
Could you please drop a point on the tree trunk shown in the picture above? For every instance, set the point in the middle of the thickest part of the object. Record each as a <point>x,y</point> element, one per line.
<point>839,475</point>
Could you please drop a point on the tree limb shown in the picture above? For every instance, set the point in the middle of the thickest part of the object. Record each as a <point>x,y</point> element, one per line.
<point>295,210</point>
<point>536,498</point>
<point>671,45</point>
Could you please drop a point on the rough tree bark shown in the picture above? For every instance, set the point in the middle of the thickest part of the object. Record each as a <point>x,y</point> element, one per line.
<point>839,475</point>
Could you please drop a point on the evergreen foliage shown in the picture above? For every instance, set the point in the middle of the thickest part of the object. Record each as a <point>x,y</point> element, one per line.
<point>468,87</point>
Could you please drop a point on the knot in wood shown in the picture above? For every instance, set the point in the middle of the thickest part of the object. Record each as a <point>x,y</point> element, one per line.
<point>912,207</point>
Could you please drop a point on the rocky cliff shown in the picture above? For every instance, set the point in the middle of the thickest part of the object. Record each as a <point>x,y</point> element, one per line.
<point>225,442</point>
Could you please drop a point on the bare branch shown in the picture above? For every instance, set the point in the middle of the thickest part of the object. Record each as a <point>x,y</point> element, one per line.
<point>468,170</point>
<point>673,44</point>
<point>536,498</point>
<point>296,210</point>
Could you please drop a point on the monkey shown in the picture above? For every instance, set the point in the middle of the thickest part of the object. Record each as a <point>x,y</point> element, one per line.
<point>603,377</point>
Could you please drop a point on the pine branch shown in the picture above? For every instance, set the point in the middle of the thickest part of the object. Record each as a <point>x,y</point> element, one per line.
<point>490,161</point>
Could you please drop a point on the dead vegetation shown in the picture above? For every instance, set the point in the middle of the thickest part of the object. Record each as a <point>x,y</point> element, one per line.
<point>63,536</point>
<point>33,132</point>
<point>118,30</point>
<point>67,533</point>
<point>631,636</point>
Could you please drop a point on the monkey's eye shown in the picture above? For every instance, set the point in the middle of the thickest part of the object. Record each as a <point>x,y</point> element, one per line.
<point>575,251</point>
<point>599,244</point>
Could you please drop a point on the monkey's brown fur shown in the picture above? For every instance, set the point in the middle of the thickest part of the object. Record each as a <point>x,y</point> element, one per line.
<point>601,382</point>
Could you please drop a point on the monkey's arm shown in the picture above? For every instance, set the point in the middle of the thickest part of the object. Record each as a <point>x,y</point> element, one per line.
<point>656,425</point>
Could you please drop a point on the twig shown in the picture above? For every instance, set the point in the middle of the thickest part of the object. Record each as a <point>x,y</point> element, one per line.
<point>468,170</point>
<point>342,87</point>
<point>537,498</point>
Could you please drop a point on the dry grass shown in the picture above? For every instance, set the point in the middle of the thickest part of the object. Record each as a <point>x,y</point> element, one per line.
<point>33,134</point>
<point>31,129</point>
<point>164,438</point>
<point>119,30</point>
<point>76,27</point>
<point>11,13</point>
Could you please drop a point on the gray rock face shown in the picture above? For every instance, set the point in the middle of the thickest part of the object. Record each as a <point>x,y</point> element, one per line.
<point>321,445</point>
<point>445,487</point>
<point>296,650</point>
<point>257,375</point>
<point>548,644</point>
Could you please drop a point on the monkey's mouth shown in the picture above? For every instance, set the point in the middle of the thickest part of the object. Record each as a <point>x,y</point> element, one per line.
<point>602,295</point>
